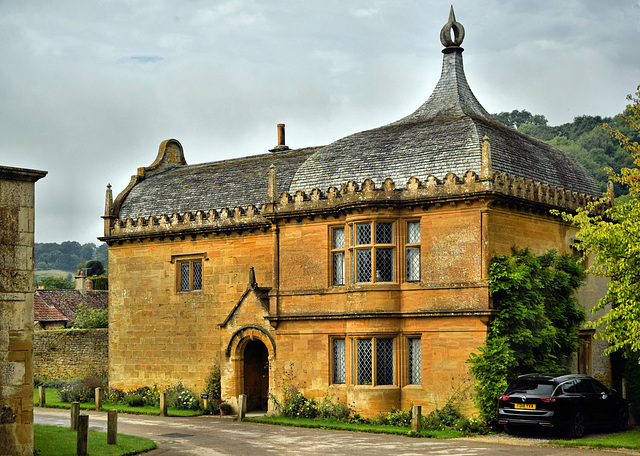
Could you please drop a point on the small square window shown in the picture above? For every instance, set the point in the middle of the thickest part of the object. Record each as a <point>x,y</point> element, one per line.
<point>190,278</point>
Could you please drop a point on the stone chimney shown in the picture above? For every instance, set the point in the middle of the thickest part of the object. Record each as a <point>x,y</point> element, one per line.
<point>80,281</point>
<point>281,142</point>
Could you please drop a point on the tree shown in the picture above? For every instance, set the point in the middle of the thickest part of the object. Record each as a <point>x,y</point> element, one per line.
<point>94,268</point>
<point>87,318</point>
<point>516,118</point>
<point>55,283</point>
<point>612,236</point>
<point>536,327</point>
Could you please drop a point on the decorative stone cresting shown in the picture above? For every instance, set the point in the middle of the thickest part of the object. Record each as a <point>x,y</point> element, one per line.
<point>348,195</point>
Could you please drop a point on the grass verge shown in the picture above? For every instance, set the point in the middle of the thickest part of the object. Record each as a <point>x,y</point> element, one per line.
<point>628,440</point>
<point>53,401</point>
<point>54,441</point>
<point>353,427</point>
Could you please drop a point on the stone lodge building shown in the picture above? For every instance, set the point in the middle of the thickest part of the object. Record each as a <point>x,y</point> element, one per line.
<point>361,266</point>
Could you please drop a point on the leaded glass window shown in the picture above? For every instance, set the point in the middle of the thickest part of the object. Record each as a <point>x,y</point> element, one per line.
<point>373,252</point>
<point>339,361</point>
<point>185,277</point>
<point>412,252</point>
<point>365,361</point>
<point>415,361</point>
<point>363,265</point>
<point>384,265</point>
<point>337,256</point>
<point>197,275</point>
<point>384,361</point>
<point>190,275</point>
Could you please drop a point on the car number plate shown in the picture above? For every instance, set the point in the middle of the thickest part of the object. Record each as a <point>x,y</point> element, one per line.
<point>525,406</point>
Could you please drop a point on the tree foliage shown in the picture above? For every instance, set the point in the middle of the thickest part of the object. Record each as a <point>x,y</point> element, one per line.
<point>67,255</point>
<point>613,239</point>
<point>88,318</point>
<point>536,325</point>
<point>583,139</point>
<point>517,118</point>
<point>55,283</point>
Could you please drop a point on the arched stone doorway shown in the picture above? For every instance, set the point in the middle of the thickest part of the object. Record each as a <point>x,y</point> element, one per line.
<point>256,375</point>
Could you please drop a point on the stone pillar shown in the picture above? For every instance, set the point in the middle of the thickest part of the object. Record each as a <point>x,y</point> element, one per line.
<point>83,435</point>
<point>112,427</point>
<point>42,395</point>
<point>17,226</point>
<point>163,403</point>
<point>242,406</point>
<point>74,415</point>
<point>416,419</point>
<point>98,398</point>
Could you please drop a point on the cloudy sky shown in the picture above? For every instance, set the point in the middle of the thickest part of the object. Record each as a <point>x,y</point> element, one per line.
<point>90,88</point>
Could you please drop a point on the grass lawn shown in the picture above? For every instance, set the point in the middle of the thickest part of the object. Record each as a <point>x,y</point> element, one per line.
<point>629,440</point>
<point>53,401</point>
<point>342,426</point>
<point>54,441</point>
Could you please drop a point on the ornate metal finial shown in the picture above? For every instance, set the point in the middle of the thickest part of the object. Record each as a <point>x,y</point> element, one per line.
<point>458,32</point>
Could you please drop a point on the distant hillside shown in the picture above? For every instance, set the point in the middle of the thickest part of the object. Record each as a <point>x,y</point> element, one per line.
<point>68,255</point>
<point>584,139</point>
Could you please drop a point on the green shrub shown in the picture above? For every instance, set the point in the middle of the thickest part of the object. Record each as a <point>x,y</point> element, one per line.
<point>49,383</point>
<point>298,406</point>
<point>401,418</point>
<point>327,408</point>
<point>212,383</point>
<point>134,400</point>
<point>182,398</point>
<point>81,390</point>
<point>88,318</point>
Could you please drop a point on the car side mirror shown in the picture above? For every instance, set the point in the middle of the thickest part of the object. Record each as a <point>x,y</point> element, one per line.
<point>613,392</point>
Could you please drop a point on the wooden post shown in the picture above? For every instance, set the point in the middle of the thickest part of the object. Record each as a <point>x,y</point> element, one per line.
<point>75,413</point>
<point>83,435</point>
<point>112,427</point>
<point>163,404</point>
<point>242,406</point>
<point>42,395</point>
<point>98,398</point>
<point>416,419</point>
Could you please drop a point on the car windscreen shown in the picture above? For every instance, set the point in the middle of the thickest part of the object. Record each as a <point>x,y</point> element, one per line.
<point>530,387</point>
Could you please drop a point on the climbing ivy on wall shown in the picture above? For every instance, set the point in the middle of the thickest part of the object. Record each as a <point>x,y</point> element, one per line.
<point>536,326</point>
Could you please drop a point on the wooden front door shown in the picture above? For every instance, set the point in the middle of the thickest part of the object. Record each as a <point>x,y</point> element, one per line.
<point>256,375</point>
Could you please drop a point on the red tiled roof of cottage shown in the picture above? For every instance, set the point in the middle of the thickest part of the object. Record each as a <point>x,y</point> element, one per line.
<point>44,312</point>
<point>67,301</point>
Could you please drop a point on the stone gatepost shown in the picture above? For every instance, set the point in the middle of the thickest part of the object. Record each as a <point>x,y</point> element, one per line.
<point>17,224</point>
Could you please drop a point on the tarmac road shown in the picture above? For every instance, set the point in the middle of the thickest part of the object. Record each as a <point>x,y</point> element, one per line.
<point>215,436</point>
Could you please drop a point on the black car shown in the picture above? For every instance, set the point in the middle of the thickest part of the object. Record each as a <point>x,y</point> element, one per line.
<point>572,403</point>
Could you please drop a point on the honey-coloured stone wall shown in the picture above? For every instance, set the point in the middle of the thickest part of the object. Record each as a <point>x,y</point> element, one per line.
<point>17,225</point>
<point>70,353</point>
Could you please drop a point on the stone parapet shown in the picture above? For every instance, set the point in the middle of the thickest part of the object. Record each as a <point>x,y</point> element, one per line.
<point>350,195</point>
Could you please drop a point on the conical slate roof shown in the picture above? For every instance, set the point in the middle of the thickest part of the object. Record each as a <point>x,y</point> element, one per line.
<point>443,135</point>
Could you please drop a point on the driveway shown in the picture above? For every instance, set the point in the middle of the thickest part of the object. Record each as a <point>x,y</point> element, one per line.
<point>214,436</point>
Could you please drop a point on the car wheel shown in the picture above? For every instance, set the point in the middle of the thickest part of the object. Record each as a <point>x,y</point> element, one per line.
<point>509,429</point>
<point>623,420</point>
<point>577,425</point>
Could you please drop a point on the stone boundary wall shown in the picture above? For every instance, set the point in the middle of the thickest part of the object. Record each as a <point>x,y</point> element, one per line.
<point>70,353</point>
